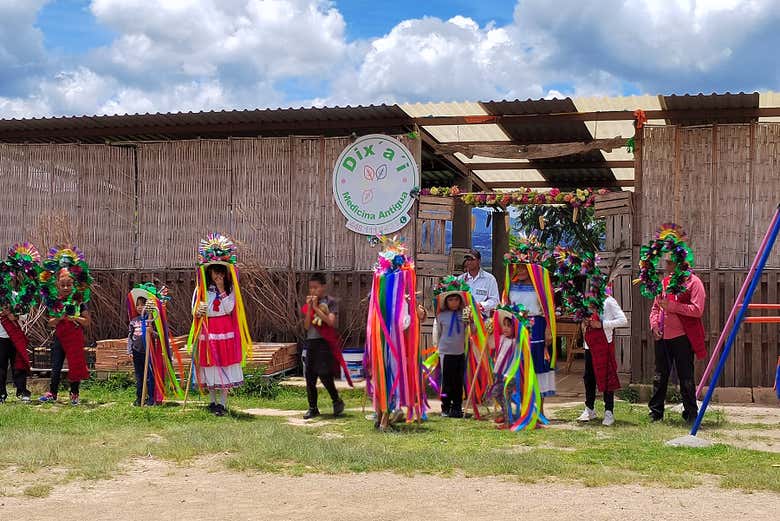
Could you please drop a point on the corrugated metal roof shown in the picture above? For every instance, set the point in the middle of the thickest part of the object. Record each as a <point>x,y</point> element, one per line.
<point>182,125</point>
<point>539,132</point>
<point>711,102</point>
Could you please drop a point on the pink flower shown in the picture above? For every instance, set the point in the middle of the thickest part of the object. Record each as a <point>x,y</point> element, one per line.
<point>455,191</point>
<point>554,192</point>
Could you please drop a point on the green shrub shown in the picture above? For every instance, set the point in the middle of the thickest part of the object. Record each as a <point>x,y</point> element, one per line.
<point>114,382</point>
<point>258,384</point>
<point>628,394</point>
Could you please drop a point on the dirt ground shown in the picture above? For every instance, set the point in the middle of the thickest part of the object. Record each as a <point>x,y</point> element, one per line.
<point>152,489</point>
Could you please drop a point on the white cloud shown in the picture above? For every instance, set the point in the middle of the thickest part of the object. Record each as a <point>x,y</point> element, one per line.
<point>432,59</point>
<point>171,55</point>
<point>22,54</point>
<point>269,39</point>
<point>661,46</point>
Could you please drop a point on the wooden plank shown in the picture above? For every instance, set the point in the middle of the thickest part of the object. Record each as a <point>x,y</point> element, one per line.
<point>612,196</point>
<point>434,214</point>
<point>432,257</point>
<point>432,269</point>
<point>437,201</point>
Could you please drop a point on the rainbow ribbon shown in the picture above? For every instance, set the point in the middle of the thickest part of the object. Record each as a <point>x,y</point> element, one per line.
<point>540,278</point>
<point>523,403</point>
<point>393,359</point>
<point>477,361</point>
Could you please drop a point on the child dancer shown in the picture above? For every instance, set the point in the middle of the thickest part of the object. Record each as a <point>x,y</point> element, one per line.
<point>323,350</point>
<point>528,284</point>
<point>393,359</point>
<point>219,325</point>
<point>148,321</point>
<point>66,290</point>
<point>600,362</point>
<point>503,354</point>
<point>452,319</point>
<point>19,292</point>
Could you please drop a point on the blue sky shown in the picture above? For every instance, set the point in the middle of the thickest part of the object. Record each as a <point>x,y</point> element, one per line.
<point>60,57</point>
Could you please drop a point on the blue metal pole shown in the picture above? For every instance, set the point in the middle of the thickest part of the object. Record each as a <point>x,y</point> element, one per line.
<point>737,322</point>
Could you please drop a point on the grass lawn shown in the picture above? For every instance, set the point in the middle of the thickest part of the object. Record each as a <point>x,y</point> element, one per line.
<point>56,443</point>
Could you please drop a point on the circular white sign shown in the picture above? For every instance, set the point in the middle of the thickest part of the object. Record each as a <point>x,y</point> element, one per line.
<point>372,184</point>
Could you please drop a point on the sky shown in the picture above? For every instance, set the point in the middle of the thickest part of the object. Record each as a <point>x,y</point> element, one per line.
<point>74,57</point>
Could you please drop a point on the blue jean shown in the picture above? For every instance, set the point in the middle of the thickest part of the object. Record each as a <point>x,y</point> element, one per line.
<point>138,366</point>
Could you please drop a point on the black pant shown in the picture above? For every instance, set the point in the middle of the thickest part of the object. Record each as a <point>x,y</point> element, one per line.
<point>452,370</point>
<point>590,386</point>
<point>7,359</point>
<point>57,360</point>
<point>319,364</point>
<point>138,367</point>
<point>675,351</point>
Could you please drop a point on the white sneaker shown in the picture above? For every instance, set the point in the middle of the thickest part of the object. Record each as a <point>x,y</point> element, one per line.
<point>587,415</point>
<point>609,419</point>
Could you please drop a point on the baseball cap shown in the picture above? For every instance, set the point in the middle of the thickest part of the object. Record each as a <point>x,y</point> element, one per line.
<point>472,254</point>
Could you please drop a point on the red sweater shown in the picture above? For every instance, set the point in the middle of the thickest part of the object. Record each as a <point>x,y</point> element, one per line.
<point>682,316</point>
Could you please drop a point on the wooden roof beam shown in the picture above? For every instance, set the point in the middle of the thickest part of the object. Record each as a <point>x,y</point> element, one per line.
<point>536,165</point>
<point>547,184</point>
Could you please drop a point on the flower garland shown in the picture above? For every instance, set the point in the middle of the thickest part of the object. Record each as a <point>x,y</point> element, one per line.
<point>19,290</point>
<point>669,239</point>
<point>571,268</point>
<point>580,198</point>
<point>70,259</point>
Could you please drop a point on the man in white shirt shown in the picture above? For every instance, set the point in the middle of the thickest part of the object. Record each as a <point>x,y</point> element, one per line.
<point>483,285</point>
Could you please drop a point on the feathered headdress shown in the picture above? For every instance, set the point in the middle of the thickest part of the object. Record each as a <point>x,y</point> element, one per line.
<point>671,242</point>
<point>216,249</point>
<point>450,286</point>
<point>393,255</point>
<point>514,311</point>
<point>573,267</point>
<point>68,259</point>
<point>529,251</point>
<point>19,273</point>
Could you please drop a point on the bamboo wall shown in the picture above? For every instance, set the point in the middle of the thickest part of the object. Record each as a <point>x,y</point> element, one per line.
<point>273,195</point>
<point>139,211</point>
<point>722,184</point>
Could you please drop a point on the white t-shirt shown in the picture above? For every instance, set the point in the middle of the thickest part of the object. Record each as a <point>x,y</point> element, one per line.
<point>612,318</point>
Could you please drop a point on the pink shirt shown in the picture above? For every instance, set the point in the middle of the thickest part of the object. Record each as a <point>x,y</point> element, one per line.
<point>669,321</point>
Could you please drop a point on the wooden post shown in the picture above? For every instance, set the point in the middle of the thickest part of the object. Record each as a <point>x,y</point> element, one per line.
<point>500,243</point>
<point>461,223</point>
<point>637,302</point>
